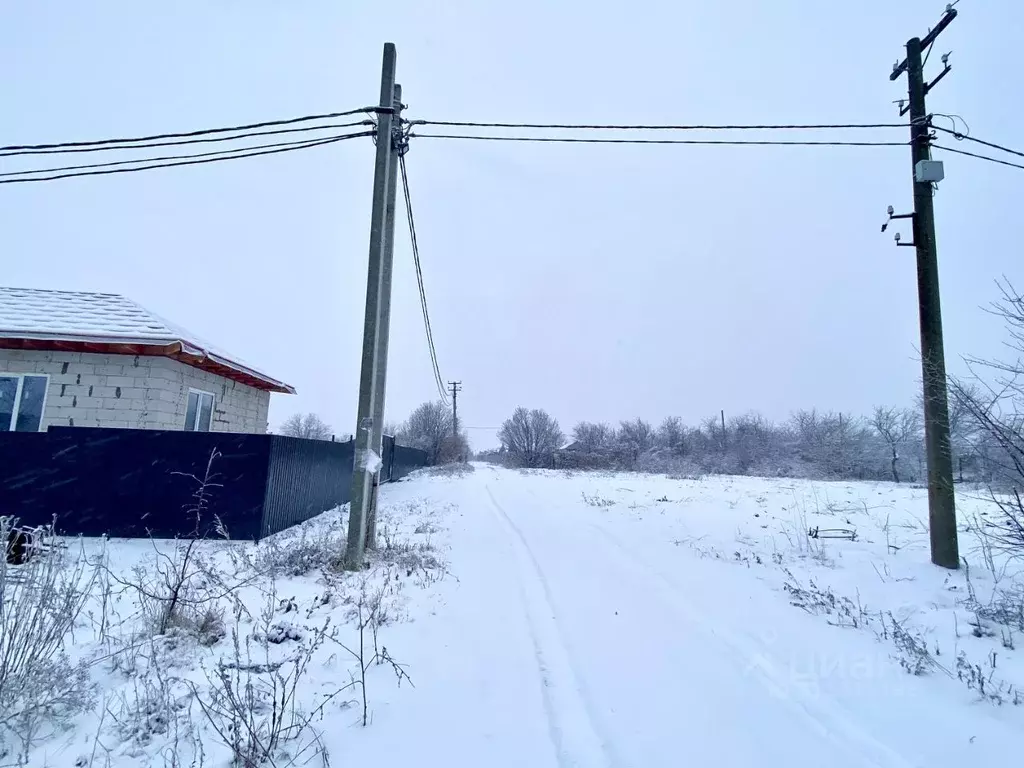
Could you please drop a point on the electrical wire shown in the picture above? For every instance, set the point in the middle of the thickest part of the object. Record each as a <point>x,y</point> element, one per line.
<point>166,157</point>
<point>952,119</point>
<point>199,159</point>
<point>712,142</point>
<point>964,137</point>
<point>188,134</point>
<point>439,380</point>
<point>980,157</point>
<point>208,140</point>
<point>649,127</point>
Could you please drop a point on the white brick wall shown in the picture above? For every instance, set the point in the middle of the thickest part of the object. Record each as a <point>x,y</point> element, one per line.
<point>139,392</point>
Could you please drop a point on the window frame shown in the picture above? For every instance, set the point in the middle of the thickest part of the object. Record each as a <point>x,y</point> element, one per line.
<point>17,397</point>
<point>199,409</point>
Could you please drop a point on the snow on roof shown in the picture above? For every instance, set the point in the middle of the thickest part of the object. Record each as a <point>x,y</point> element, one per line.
<point>27,313</point>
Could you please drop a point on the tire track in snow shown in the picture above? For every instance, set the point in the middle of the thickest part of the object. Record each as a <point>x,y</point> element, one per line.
<point>831,720</point>
<point>573,733</point>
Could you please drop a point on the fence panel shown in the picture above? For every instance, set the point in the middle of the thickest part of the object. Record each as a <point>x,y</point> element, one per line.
<point>136,483</point>
<point>305,478</point>
<point>406,460</point>
<point>139,483</point>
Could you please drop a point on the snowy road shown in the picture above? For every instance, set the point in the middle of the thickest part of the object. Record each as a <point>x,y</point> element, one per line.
<point>568,643</point>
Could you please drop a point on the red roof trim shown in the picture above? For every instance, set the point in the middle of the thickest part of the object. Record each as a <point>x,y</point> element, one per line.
<point>173,351</point>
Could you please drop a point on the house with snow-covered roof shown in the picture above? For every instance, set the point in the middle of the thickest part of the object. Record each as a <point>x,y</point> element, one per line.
<point>101,360</point>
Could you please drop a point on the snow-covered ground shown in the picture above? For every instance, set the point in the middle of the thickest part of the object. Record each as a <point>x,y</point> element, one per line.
<point>549,619</point>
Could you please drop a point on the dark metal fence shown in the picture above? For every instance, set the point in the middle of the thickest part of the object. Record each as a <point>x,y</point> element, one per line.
<point>305,478</point>
<point>134,483</point>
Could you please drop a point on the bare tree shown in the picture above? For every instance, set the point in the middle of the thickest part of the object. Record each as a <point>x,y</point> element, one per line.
<point>897,427</point>
<point>712,428</point>
<point>454,448</point>
<point>672,434</point>
<point>428,427</point>
<point>754,439</point>
<point>308,426</point>
<point>836,443</point>
<point>996,406</point>
<point>636,437</point>
<point>964,428</point>
<point>593,436</point>
<point>530,437</point>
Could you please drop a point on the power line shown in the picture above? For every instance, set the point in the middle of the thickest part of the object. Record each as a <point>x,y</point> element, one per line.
<point>439,380</point>
<point>980,157</point>
<point>225,152</point>
<point>189,160</point>
<point>208,140</point>
<point>711,142</point>
<point>187,134</point>
<point>964,137</point>
<point>650,127</point>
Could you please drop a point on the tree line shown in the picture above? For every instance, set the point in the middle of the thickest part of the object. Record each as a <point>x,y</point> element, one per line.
<point>887,444</point>
<point>986,418</point>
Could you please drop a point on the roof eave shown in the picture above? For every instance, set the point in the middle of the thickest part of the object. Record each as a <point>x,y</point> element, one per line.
<point>176,349</point>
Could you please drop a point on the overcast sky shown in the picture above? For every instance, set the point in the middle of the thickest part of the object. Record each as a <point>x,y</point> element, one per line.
<point>598,282</point>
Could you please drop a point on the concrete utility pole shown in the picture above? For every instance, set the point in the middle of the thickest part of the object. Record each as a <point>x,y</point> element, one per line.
<point>941,503</point>
<point>455,387</point>
<point>362,471</point>
<point>384,323</point>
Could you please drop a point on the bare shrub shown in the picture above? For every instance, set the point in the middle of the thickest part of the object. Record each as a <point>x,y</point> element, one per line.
<point>157,706</point>
<point>451,470</point>
<point>911,650</point>
<point>842,611</point>
<point>40,603</point>
<point>372,612</point>
<point>597,500</point>
<point>252,702</point>
<point>290,554</point>
<point>180,589</point>
<point>413,557</point>
<point>803,538</point>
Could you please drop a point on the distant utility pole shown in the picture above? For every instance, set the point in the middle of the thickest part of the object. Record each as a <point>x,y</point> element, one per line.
<point>384,321</point>
<point>941,504</point>
<point>723,431</point>
<point>362,469</point>
<point>455,387</point>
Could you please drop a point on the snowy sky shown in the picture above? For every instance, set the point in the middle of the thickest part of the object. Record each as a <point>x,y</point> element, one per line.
<point>598,282</point>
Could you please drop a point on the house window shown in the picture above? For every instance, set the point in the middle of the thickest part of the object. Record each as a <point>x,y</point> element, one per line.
<point>199,412</point>
<point>22,399</point>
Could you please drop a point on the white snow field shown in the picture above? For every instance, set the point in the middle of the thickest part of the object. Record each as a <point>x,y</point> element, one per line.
<point>620,620</point>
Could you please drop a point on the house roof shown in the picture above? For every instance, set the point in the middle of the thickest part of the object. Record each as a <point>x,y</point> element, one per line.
<point>106,322</point>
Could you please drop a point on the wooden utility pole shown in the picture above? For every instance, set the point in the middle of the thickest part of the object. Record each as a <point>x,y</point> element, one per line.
<point>941,504</point>
<point>384,321</point>
<point>364,468</point>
